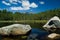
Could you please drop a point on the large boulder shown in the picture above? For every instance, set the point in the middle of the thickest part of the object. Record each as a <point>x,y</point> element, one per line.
<point>20,29</point>
<point>52,24</point>
<point>15,29</point>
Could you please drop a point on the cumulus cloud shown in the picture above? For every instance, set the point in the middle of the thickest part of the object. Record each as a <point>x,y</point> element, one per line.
<point>33,5</point>
<point>13,1</point>
<point>16,8</point>
<point>26,8</point>
<point>26,5</point>
<point>19,8</point>
<point>5,3</point>
<point>42,2</point>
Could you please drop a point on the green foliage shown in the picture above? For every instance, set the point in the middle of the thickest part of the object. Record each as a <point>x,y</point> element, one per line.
<point>7,15</point>
<point>49,14</point>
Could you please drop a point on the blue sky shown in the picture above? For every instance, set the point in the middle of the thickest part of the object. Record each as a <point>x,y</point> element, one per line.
<point>29,5</point>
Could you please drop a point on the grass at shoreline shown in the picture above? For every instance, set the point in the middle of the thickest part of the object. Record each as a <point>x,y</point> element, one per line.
<point>32,23</point>
<point>25,21</point>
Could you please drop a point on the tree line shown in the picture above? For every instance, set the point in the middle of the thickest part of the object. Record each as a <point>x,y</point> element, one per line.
<point>7,15</point>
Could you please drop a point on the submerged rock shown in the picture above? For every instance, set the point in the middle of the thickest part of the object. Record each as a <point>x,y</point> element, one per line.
<point>15,29</point>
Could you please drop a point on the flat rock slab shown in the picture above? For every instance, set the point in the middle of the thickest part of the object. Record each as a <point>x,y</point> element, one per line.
<point>54,36</point>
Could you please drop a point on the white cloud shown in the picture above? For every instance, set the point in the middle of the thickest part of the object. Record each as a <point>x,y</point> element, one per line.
<point>13,1</point>
<point>16,8</point>
<point>5,3</point>
<point>42,2</point>
<point>33,5</point>
<point>26,5</point>
<point>26,8</point>
<point>19,8</point>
